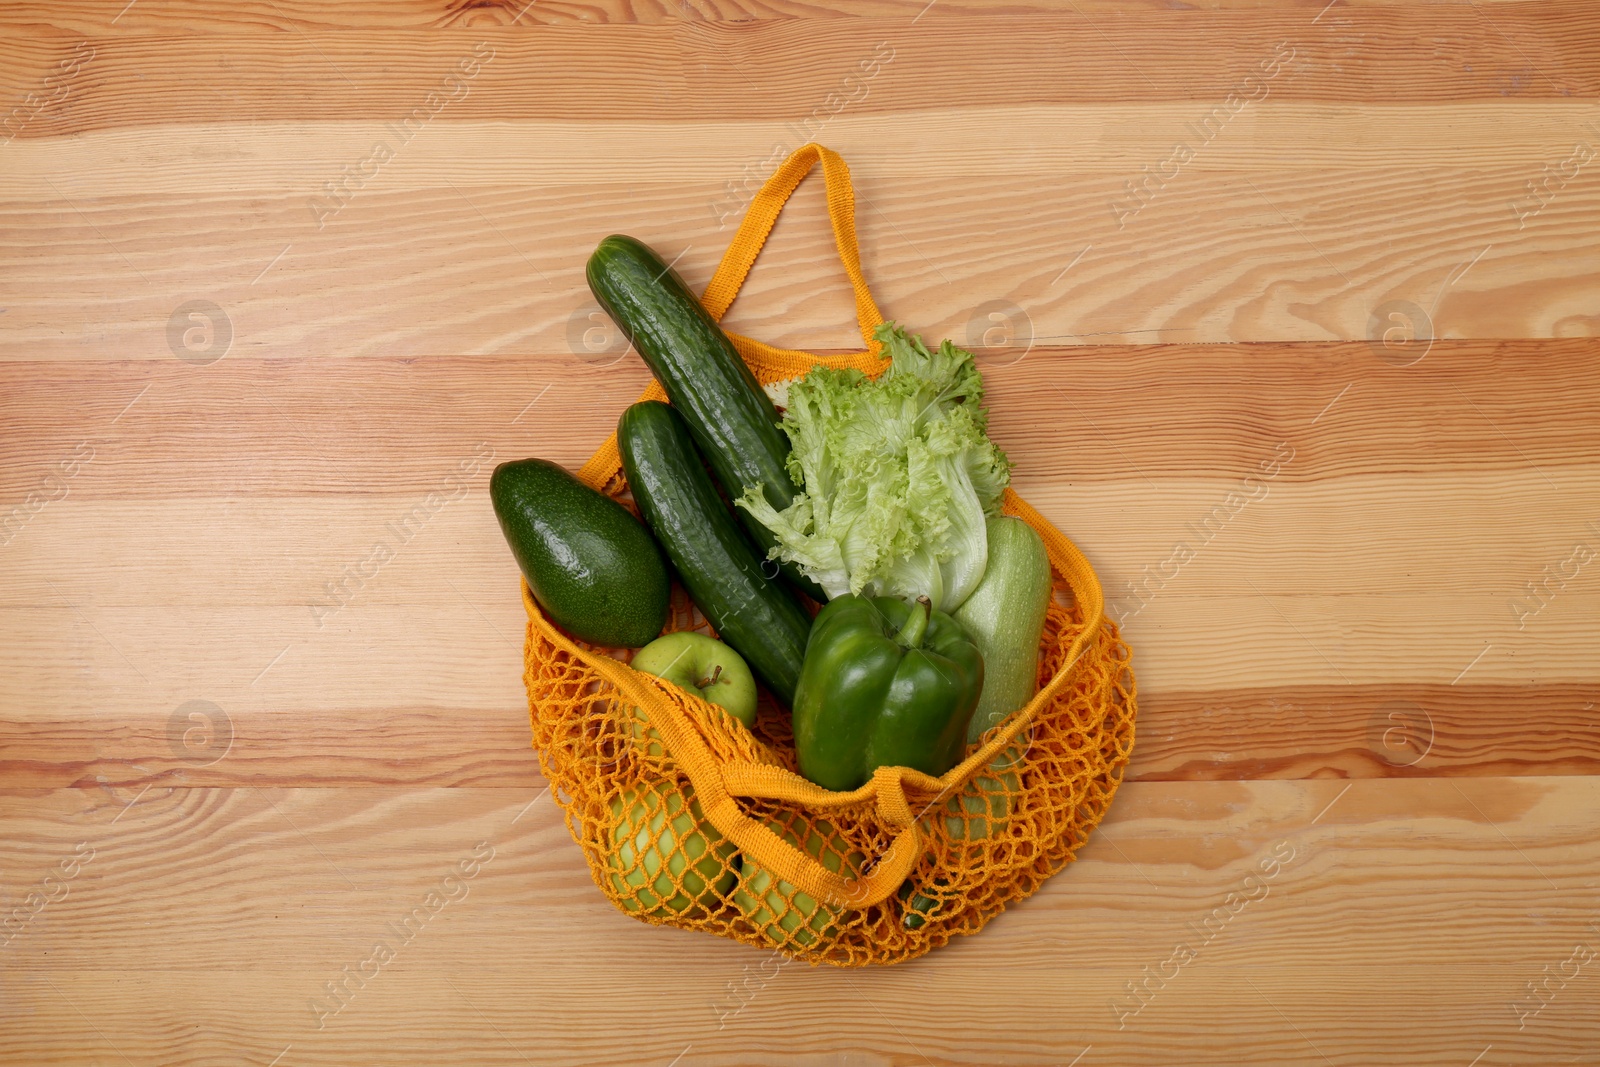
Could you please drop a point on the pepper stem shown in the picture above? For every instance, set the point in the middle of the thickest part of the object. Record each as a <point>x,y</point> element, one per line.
<point>910,635</point>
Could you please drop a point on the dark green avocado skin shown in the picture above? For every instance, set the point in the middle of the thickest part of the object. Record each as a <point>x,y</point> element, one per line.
<point>591,565</point>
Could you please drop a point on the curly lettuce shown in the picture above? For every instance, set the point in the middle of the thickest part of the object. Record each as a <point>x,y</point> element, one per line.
<point>897,476</point>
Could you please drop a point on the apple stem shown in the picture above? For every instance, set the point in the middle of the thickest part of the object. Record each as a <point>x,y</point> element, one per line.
<point>705,683</point>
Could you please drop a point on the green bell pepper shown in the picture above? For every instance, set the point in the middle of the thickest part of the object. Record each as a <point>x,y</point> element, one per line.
<point>885,684</point>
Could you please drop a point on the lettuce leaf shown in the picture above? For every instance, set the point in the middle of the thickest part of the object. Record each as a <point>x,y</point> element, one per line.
<point>897,476</point>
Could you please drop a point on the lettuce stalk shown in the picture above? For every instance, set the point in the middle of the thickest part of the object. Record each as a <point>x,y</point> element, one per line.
<point>897,475</point>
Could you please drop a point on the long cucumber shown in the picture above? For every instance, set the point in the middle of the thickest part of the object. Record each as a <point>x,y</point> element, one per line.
<point>755,614</point>
<point>733,422</point>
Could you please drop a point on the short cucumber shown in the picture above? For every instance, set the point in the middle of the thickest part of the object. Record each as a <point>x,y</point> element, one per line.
<point>733,422</point>
<point>753,613</point>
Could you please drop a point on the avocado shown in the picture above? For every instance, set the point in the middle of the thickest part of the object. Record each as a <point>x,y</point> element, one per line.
<point>591,565</point>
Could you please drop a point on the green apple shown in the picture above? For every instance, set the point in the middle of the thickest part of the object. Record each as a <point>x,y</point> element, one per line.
<point>705,667</point>
<point>984,808</point>
<point>665,857</point>
<point>783,913</point>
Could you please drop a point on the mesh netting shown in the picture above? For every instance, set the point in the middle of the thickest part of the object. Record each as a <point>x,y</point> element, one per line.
<point>990,838</point>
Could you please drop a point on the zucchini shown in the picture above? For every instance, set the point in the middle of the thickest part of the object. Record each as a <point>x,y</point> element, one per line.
<point>755,614</point>
<point>732,421</point>
<point>1004,616</point>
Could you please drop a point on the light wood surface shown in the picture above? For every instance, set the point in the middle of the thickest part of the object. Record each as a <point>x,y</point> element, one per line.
<point>1345,677</point>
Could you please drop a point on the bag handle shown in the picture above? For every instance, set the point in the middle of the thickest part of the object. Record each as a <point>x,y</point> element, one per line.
<point>763,214</point>
<point>735,266</point>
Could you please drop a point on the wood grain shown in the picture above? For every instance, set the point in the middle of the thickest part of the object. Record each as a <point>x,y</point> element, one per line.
<point>185,881</point>
<point>243,488</point>
<point>1517,412</point>
<point>114,17</point>
<point>236,353</point>
<point>1299,257</point>
<point>621,71</point>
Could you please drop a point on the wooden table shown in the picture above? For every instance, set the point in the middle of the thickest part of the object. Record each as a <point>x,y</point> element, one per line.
<point>1288,314</point>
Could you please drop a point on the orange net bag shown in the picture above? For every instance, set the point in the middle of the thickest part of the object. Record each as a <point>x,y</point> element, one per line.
<point>688,818</point>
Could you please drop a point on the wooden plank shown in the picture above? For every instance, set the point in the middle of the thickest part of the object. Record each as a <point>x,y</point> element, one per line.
<point>1512,421</point>
<point>1366,731</point>
<point>1306,256</point>
<point>1281,640</point>
<point>1481,881</point>
<point>689,67</point>
<point>114,17</point>
<point>287,548</point>
<point>1288,732</point>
